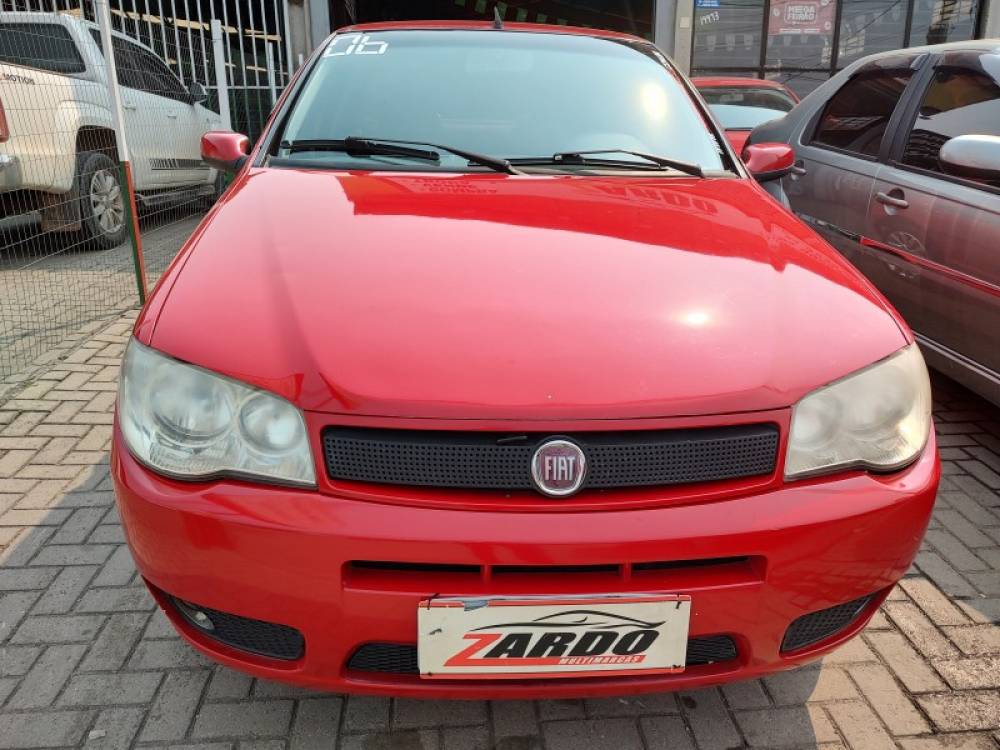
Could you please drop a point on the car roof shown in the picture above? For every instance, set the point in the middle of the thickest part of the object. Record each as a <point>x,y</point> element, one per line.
<point>536,28</point>
<point>970,45</point>
<point>36,16</point>
<point>710,82</point>
<point>62,19</point>
<point>823,91</point>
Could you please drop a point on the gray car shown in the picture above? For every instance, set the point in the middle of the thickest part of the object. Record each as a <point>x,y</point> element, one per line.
<point>898,166</point>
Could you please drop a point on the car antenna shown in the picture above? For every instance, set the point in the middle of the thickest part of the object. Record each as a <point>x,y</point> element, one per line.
<point>497,18</point>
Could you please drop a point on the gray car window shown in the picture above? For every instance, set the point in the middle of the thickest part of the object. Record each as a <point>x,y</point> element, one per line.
<point>856,117</point>
<point>962,99</point>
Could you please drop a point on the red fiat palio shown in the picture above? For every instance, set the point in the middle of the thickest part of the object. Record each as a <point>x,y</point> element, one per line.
<point>495,373</point>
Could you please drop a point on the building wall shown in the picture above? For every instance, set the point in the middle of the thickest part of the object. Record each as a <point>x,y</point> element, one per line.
<point>801,42</point>
<point>319,20</point>
<point>299,32</point>
<point>309,24</point>
<point>681,53</point>
<point>991,20</point>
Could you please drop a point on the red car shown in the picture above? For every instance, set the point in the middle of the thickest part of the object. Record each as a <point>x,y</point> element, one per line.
<point>496,374</point>
<point>741,104</point>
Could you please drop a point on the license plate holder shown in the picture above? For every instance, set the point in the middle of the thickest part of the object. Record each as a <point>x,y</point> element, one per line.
<point>552,636</point>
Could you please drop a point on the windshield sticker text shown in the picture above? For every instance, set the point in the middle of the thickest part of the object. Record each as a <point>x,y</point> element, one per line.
<point>355,44</point>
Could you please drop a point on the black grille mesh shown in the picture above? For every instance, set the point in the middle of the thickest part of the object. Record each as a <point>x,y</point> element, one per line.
<point>397,658</point>
<point>255,636</point>
<point>716,648</point>
<point>390,658</point>
<point>816,626</point>
<point>483,460</point>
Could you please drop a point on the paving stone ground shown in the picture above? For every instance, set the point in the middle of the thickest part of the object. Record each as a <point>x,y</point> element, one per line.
<point>86,660</point>
<point>55,291</point>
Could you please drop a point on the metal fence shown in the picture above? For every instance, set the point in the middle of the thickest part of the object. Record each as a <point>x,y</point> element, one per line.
<point>257,48</point>
<point>70,253</point>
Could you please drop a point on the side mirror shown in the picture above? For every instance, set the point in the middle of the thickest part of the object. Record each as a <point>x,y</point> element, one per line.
<point>768,161</point>
<point>976,157</point>
<point>197,92</point>
<point>225,150</point>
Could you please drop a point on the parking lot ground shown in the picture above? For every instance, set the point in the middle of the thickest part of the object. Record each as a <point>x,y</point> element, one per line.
<point>54,293</point>
<point>86,660</point>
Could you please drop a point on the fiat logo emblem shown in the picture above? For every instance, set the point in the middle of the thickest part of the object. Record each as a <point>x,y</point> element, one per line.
<point>558,468</point>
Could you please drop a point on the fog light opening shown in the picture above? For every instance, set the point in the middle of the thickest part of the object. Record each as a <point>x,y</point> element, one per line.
<point>259,637</point>
<point>195,616</point>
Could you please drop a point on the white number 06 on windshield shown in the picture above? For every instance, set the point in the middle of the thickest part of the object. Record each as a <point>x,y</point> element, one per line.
<point>355,44</point>
<point>552,636</point>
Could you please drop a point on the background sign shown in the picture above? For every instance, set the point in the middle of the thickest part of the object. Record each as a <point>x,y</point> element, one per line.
<point>801,17</point>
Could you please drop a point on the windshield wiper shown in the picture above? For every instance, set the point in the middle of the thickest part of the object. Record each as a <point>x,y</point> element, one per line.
<point>580,158</point>
<point>357,146</point>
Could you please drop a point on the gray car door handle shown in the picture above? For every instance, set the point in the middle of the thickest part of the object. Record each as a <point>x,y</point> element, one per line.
<point>128,105</point>
<point>172,115</point>
<point>798,169</point>
<point>890,200</point>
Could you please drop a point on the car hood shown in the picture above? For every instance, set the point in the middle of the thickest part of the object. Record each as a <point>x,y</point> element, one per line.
<point>528,297</point>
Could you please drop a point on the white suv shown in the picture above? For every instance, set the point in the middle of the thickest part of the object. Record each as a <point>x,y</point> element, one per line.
<point>57,144</point>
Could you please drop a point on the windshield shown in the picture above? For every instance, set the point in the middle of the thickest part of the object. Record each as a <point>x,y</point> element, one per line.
<point>502,94</point>
<point>737,117</point>
<point>744,107</point>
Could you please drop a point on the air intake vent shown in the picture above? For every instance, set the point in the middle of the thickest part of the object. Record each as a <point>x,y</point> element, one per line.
<point>816,626</point>
<point>389,658</point>
<point>396,658</point>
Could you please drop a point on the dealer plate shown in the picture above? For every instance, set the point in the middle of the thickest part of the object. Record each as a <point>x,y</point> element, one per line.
<point>571,636</point>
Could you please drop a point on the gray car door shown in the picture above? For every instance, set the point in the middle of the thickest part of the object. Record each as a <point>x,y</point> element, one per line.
<point>941,233</point>
<point>838,150</point>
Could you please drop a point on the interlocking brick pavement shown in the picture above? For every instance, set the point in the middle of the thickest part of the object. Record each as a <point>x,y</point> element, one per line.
<point>54,294</point>
<point>86,660</point>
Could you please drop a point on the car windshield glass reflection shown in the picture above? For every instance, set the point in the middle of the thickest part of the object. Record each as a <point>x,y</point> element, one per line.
<point>509,95</point>
<point>737,117</point>
<point>748,97</point>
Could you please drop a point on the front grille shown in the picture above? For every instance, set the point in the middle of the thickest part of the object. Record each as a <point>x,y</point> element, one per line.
<point>488,572</point>
<point>256,636</point>
<point>401,658</point>
<point>816,626</point>
<point>501,461</point>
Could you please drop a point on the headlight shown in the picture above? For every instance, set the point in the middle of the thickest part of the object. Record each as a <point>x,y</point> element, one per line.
<point>189,423</point>
<point>878,419</point>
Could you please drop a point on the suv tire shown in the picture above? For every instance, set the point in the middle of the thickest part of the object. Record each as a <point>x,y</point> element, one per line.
<point>102,208</point>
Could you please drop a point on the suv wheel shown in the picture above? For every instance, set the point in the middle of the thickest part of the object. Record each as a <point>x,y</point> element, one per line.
<point>102,209</point>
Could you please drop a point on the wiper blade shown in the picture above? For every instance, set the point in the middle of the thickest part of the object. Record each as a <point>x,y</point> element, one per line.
<point>358,146</point>
<point>580,158</point>
<point>493,162</point>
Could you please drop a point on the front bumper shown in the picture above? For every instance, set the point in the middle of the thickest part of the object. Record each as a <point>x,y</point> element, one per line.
<point>288,556</point>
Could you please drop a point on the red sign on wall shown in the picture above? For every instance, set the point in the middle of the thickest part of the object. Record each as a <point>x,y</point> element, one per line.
<point>801,17</point>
